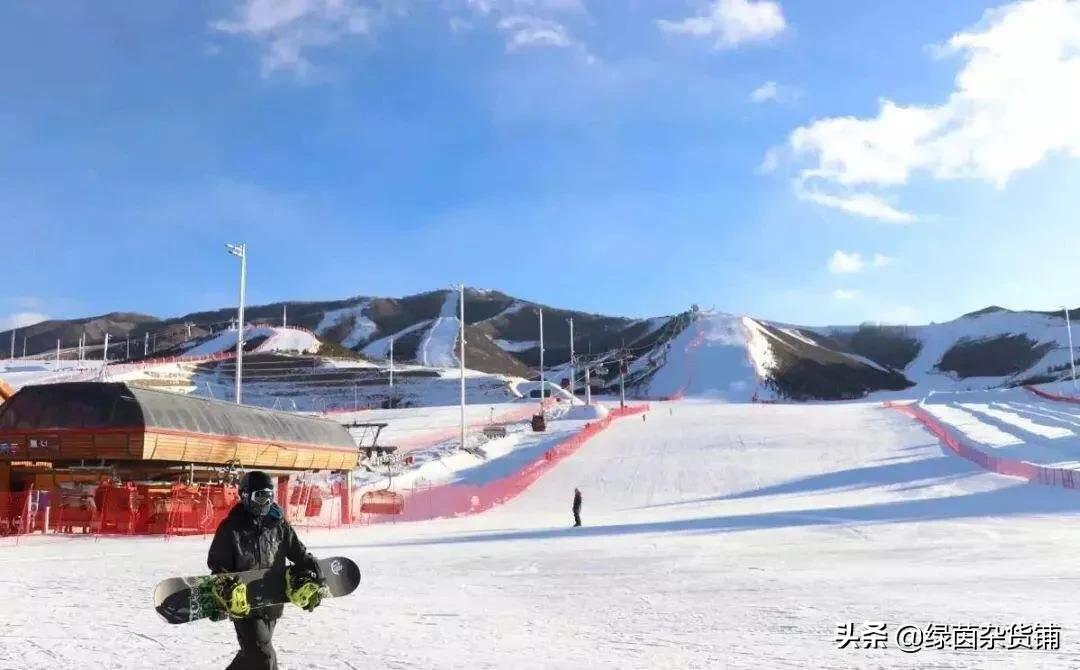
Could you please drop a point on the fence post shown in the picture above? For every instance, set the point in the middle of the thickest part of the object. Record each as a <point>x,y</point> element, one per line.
<point>45,522</point>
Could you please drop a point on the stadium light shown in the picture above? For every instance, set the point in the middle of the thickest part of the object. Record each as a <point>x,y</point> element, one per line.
<point>240,251</point>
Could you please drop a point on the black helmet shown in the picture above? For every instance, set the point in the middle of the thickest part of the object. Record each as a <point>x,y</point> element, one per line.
<point>252,488</point>
<point>256,480</point>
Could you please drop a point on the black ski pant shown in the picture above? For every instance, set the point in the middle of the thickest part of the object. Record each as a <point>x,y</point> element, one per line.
<point>256,652</point>
<point>577,517</point>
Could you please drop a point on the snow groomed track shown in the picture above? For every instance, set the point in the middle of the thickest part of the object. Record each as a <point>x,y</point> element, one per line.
<point>716,536</point>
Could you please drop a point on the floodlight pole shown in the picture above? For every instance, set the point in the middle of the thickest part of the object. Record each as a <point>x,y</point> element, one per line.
<point>1072,356</point>
<point>572,368</point>
<point>461,356</point>
<point>240,251</point>
<point>541,311</point>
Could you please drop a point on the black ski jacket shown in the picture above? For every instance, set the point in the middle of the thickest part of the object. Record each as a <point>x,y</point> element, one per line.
<point>246,542</point>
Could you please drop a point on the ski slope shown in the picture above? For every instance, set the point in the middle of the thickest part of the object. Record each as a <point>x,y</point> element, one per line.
<point>362,327</point>
<point>437,348</point>
<point>712,358</point>
<point>277,339</point>
<point>716,536</point>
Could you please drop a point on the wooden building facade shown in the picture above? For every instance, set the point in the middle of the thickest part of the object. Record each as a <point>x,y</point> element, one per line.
<point>140,434</point>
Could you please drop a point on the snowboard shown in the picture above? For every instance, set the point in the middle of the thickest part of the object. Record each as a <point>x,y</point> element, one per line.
<point>184,599</point>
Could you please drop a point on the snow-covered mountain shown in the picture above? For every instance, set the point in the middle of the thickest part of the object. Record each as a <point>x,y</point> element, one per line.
<point>736,357</point>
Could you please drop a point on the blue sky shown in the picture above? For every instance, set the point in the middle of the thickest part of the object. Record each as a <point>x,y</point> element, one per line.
<point>626,157</point>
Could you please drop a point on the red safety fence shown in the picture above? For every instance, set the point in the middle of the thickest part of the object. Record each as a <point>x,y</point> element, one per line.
<point>1052,396</point>
<point>308,502</point>
<point>1039,474</point>
<point>451,500</point>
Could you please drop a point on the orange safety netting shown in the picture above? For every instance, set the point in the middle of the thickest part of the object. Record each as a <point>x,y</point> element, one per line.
<point>458,499</point>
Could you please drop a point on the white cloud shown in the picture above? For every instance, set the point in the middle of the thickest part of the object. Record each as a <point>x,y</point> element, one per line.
<point>861,204</point>
<point>767,91</point>
<point>733,22</point>
<point>845,263</point>
<point>881,260</point>
<point>844,294</point>
<point>1015,101</point>
<point>842,262</point>
<point>459,25</point>
<point>770,161</point>
<point>21,320</point>
<point>287,28</point>
<point>530,31</point>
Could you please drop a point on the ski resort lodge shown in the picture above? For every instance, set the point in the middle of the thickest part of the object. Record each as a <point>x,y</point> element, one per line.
<point>144,460</point>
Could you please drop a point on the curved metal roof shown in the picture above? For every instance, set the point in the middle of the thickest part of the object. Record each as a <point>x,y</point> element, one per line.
<point>104,406</point>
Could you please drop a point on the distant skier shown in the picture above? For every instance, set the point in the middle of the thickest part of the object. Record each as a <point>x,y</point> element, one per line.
<point>577,507</point>
<point>254,535</point>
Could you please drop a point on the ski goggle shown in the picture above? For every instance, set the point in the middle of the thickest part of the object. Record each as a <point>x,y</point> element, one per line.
<point>262,496</point>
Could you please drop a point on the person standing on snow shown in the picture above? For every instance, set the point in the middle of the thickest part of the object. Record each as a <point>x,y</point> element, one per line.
<point>577,507</point>
<point>256,535</point>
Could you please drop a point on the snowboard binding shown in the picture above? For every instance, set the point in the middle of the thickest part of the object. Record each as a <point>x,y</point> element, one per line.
<point>230,594</point>
<point>304,588</point>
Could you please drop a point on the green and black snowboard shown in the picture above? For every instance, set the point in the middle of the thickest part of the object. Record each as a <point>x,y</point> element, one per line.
<point>184,599</point>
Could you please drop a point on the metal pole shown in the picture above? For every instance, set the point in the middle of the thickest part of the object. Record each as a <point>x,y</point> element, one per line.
<point>541,310</point>
<point>391,372</point>
<point>588,387</point>
<point>127,348</point>
<point>284,316</point>
<point>58,354</point>
<point>105,354</point>
<point>12,344</point>
<point>572,369</point>
<point>622,380</point>
<point>24,346</point>
<point>1072,356</point>
<point>240,251</point>
<point>146,344</point>
<point>461,360</point>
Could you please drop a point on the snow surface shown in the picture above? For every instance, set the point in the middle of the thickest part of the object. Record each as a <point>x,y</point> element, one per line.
<point>510,345</point>
<point>278,339</point>
<point>711,358</point>
<point>1014,424</point>
<point>716,536</point>
<point>380,348</point>
<point>437,348</point>
<point>363,327</point>
<point>26,373</point>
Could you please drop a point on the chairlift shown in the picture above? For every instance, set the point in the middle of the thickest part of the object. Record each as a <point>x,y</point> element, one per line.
<point>383,501</point>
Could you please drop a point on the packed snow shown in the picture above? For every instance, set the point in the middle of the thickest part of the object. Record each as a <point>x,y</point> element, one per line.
<point>1014,424</point>
<point>515,346</point>
<point>277,339</point>
<point>362,327</point>
<point>437,348</point>
<point>715,536</point>
<point>380,348</point>
<point>712,358</point>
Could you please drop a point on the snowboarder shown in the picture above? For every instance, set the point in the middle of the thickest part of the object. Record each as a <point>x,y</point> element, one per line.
<point>255,534</point>
<point>577,507</point>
